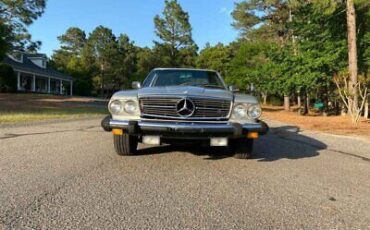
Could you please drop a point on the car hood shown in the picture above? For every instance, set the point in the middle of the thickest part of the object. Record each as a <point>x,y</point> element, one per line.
<point>186,91</point>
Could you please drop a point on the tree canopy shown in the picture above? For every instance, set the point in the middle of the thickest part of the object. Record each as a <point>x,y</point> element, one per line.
<point>288,48</point>
<point>176,44</point>
<point>15,17</point>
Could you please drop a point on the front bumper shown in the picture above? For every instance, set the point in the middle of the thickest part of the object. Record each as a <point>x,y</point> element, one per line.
<point>188,129</point>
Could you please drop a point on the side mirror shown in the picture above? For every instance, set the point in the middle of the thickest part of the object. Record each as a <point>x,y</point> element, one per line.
<point>136,85</point>
<point>233,88</point>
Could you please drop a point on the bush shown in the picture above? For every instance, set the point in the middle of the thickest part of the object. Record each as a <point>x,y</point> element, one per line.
<point>275,101</point>
<point>8,79</point>
<point>82,87</point>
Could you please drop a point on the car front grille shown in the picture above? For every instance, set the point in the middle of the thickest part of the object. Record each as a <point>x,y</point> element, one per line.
<point>167,108</point>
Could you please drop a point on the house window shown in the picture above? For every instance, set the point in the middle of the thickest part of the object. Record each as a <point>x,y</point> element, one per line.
<point>16,56</point>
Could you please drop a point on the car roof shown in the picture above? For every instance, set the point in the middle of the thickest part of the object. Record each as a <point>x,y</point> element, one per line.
<point>191,69</point>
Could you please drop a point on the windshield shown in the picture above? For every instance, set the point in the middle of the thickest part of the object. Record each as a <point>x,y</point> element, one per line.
<point>185,78</point>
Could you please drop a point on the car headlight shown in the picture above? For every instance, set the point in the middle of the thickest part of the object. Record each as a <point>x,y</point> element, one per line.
<point>116,107</point>
<point>130,107</point>
<point>254,111</point>
<point>240,112</point>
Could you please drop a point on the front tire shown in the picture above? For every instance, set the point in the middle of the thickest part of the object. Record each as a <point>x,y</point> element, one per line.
<point>125,145</point>
<point>242,148</point>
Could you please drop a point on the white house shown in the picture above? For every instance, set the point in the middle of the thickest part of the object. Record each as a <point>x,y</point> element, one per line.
<point>33,74</point>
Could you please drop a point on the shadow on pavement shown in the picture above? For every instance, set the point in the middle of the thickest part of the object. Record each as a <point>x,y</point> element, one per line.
<point>215,153</point>
<point>283,142</point>
<point>155,150</point>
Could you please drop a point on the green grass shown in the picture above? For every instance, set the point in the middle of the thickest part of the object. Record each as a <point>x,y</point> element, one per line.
<point>47,114</point>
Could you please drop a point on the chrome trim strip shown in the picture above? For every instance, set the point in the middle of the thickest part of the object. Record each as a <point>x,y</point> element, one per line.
<point>160,106</point>
<point>252,126</point>
<point>190,125</point>
<point>118,124</point>
<point>207,108</point>
<point>182,121</point>
<point>165,123</point>
<point>184,118</point>
<point>187,126</point>
<point>183,95</point>
<point>183,125</point>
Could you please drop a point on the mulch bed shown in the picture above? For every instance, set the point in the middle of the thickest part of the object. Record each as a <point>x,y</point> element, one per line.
<point>341,125</point>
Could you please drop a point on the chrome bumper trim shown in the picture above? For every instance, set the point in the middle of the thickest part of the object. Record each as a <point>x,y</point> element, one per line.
<point>118,124</point>
<point>229,128</point>
<point>183,125</point>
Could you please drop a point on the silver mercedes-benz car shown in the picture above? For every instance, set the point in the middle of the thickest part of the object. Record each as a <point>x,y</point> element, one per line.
<point>177,105</point>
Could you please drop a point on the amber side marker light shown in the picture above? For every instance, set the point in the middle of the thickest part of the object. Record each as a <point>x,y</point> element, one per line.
<point>118,132</point>
<point>252,135</point>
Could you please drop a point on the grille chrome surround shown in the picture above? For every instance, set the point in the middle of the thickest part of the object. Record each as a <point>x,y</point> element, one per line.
<point>206,108</point>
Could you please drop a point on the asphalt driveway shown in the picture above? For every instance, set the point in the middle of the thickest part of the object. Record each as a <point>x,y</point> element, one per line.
<point>67,175</point>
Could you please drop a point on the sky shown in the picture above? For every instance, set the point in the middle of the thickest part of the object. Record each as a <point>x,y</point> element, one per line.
<point>210,19</point>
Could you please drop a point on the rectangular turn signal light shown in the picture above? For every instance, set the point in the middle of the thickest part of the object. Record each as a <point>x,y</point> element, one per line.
<point>252,135</point>
<point>118,132</point>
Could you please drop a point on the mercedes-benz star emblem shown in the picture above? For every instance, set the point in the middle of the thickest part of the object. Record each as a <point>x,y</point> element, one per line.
<point>185,107</point>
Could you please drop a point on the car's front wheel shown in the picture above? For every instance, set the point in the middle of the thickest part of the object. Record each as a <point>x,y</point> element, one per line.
<point>125,145</point>
<point>242,148</point>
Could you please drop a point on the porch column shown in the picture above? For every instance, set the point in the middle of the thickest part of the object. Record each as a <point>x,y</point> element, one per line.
<point>71,85</point>
<point>48,84</point>
<point>19,81</point>
<point>61,87</point>
<point>34,83</point>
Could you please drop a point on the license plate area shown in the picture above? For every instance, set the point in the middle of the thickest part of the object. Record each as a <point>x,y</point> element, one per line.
<point>151,140</point>
<point>219,141</point>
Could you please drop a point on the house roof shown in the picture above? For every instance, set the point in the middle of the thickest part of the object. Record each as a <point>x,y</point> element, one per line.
<point>36,55</point>
<point>28,66</point>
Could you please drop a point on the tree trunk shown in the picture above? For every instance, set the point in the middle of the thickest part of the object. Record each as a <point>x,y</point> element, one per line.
<point>264,96</point>
<point>292,32</point>
<point>102,69</point>
<point>307,104</point>
<point>102,85</point>
<point>366,112</point>
<point>352,55</point>
<point>286,103</point>
<point>299,101</point>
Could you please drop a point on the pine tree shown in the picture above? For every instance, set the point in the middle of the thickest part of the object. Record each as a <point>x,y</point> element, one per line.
<point>104,47</point>
<point>175,32</point>
<point>15,17</point>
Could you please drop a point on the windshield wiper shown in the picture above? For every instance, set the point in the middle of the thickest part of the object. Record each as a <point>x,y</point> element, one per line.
<point>201,85</point>
<point>188,84</point>
<point>211,86</point>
